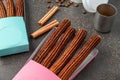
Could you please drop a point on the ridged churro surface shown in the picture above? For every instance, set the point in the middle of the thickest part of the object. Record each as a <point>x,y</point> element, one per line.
<point>19,7</point>
<point>69,52</point>
<point>10,8</point>
<point>55,52</point>
<point>48,45</point>
<point>2,10</point>
<point>80,57</point>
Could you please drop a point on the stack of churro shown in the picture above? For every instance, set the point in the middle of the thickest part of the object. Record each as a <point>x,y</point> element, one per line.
<point>60,45</point>
<point>74,63</point>
<point>48,45</point>
<point>10,8</point>
<point>69,52</point>
<point>64,64</point>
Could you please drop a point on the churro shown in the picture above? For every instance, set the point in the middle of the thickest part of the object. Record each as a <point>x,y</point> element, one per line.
<point>19,7</point>
<point>10,8</point>
<point>2,10</point>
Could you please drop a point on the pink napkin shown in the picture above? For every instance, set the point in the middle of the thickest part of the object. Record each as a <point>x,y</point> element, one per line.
<point>34,71</point>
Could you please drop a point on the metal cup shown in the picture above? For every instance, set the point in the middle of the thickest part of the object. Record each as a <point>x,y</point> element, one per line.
<point>104,17</point>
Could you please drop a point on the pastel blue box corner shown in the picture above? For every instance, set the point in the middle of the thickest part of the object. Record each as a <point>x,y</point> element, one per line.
<point>13,36</point>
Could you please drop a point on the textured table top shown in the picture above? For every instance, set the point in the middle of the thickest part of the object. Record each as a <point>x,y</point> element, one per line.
<point>106,66</point>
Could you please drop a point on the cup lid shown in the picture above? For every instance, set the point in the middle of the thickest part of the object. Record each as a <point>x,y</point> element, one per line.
<point>91,5</point>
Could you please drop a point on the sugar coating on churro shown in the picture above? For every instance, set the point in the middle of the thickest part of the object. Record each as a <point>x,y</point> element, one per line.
<point>69,52</point>
<point>55,52</point>
<point>48,45</point>
<point>74,63</point>
<point>10,8</point>
<point>2,10</point>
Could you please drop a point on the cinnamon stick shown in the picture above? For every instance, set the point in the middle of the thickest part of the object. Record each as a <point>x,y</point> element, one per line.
<point>48,15</point>
<point>74,63</point>
<point>48,45</point>
<point>44,29</point>
<point>55,52</point>
<point>69,52</point>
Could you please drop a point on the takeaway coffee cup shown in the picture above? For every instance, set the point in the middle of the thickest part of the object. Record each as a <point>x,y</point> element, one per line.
<point>104,17</point>
<point>90,5</point>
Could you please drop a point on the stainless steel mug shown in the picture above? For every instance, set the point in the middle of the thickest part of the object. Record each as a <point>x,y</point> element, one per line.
<point>104,17</point>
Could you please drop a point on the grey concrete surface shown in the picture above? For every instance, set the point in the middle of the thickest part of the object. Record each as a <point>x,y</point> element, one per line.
<point>106,66</point>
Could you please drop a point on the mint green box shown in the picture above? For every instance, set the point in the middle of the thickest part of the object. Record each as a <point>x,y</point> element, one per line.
<point>13,36</point>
